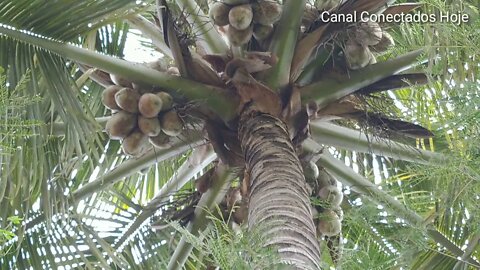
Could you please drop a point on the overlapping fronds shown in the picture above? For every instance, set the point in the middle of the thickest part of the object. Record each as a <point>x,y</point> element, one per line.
<point>63,20</point>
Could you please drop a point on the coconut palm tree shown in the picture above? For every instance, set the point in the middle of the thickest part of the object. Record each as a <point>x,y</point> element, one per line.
<point>259,107</point>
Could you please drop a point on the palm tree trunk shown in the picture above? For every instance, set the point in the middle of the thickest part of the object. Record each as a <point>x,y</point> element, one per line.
<point>278,195</point>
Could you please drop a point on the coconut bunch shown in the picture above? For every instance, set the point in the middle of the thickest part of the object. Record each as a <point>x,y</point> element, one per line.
<point>364,39</point>
<point>310,15</point>
<point>246,18</point>
<point>140,117</point>
<point>324,187</point>
<point>331,215</point>
<point>311,12</point>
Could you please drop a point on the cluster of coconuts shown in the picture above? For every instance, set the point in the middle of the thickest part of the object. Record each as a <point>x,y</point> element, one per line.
<point>246,18</point>
<point>363,40</point>
<point>140,117</point>
<point>329,214</point>
<point>311,12</point>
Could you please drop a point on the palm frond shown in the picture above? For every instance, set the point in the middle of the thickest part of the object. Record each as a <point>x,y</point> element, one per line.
<point>221,180</point>
<point>329,89</point>
<point>152,32</point>
<point>283,41</point>
<point>217,99</point>
<point>192,166</point>
<point>63,20</point>
<point>345,138</point>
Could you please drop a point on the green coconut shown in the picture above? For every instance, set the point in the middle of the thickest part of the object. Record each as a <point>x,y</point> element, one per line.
<point>134,144</point>
<point>119,80</point>
<point>329,223</point>
<point>310,14</point>
<point>149,126</point>
<point>167,100</point>
<point>150,105</point>
<point>239,37</point>
<point>338,210</point>
<point>120,125</point>
<point>356,55</point>
<point>159,65</point>
<point>266,12</point>
<point>324,179</point>
<point>173,71</point>
<point>161,141</point>
<point>331,195</point>
<point>384,44</point>
<point>262,32</point>
<point>368,33</point>
<point>108,97</point>
<point>310,170</point>
<point>219,13</point>
<point>240,16</point>
<point>171,123</point>
<point>127,99</point>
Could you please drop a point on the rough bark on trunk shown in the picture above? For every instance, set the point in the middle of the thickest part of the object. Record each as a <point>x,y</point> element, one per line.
<point>278,195</point>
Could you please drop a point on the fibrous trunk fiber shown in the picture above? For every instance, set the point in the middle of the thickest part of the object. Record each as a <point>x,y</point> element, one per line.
<point>278,196</point>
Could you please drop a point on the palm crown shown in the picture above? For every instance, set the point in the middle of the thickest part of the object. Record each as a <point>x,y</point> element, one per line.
<point>253,117</point>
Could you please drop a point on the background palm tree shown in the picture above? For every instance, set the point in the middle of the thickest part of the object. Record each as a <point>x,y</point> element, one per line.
<point>85,205</point>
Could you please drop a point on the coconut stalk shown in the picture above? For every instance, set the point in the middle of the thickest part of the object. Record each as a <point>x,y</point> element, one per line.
<point>152,32</point>
<point>220,184</point>
<point>353,140</point>
<point>361,185</point>
<point>195,163</point>
<point>304,50</point>
<point>396,82</point>
<point>214,98</point>
<point>328,90</point>
<point>209,37</point>
<point>315,63</point>
<point>283,44</point>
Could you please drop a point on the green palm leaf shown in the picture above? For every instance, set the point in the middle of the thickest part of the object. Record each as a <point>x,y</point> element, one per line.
<point>64,20</point>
